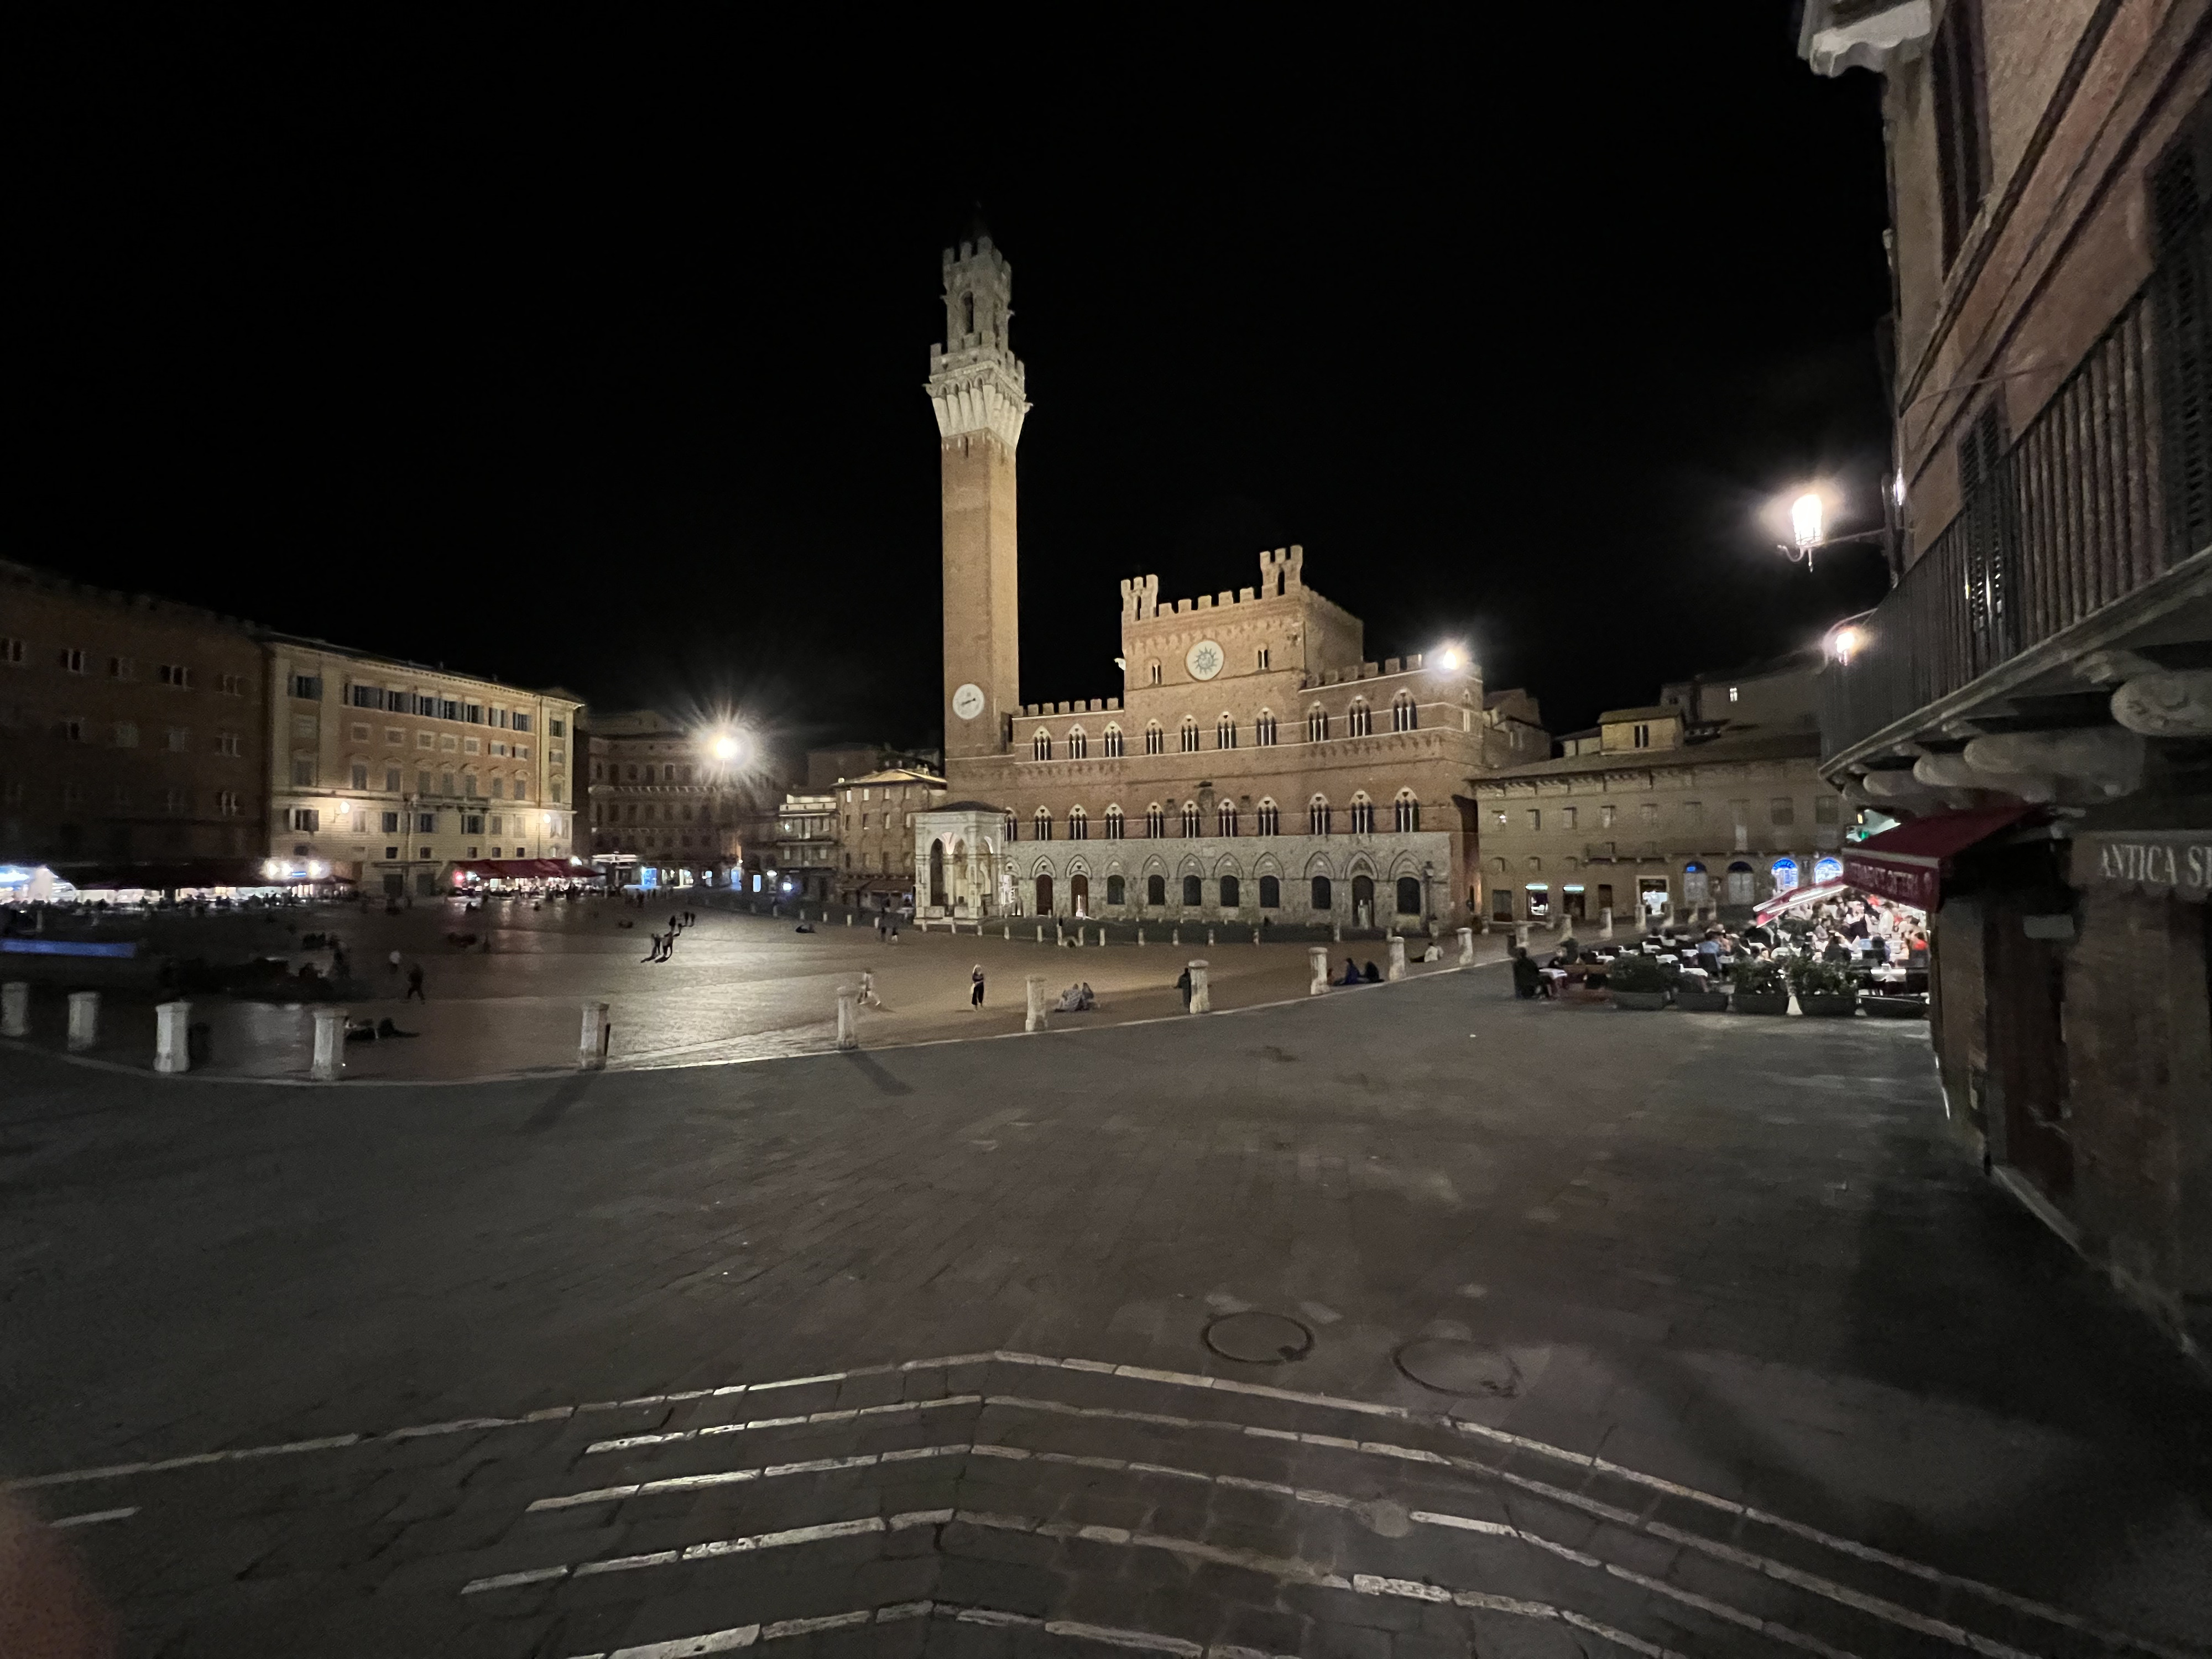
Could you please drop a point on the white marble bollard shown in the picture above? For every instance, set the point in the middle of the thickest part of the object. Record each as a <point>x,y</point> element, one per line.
<point>1202,994</point>
<point>1336,930</point>
<point>848,1017</point>
<point>849,918</point>
<point>1209,938</point>
<point>1175,936</point>
<point>84,1020</point>
<point>593,1039</point>
<point>1255,936</point>
<point>1141,936</point>
<point>330,1044</point>
<point>1034,1020</point>
<point>1317,959</point>
<point>1396,970</point>
<point>1604,923</point>
<point>1467,947</point>
<point>15,1008</point>
<point>172,1040</point>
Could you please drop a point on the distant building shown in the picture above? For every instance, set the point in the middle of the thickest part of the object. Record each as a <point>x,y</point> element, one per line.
<point>1253,767</point>
<point>805,862</point>
<point>662,801</point>
<point>134,741</point>
<point>401,777</point>
<point>875,835</point>
<point>2035,692</point>
<point>1656,812</point>
<point>828,768</point>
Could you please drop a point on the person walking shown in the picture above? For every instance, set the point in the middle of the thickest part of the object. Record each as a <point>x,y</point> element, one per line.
<point>1182,984</point>
<point>415,983</point>
<point>976,987</point>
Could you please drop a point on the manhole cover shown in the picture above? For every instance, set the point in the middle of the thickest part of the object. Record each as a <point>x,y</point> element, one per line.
<point>1451,1366</point>
<point>1259,1339</point>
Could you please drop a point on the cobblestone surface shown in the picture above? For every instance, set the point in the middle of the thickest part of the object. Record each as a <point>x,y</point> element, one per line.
<point>904,1352</point>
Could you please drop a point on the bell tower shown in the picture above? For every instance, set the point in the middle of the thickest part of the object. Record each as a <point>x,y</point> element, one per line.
<point>977,386</point>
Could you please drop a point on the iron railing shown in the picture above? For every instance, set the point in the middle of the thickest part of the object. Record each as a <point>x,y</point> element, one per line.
<point>2104,490</point>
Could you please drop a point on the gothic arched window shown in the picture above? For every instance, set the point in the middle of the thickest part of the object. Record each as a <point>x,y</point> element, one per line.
<point>1155,889</point>
<point>1156,741</point>
<point>1189,735</point>
<point>1043,822</point>
<point>1225,818</point>
<point>1113,742</point>
<point>1155,821</point>
<point>1078,745</point>
<point>1078,824</point>
<point>1013,827</point>
<point>968,307</point>
<point>1405,712</point>
<point>1193,893</point>
<point>1363,814</point>
<point>1263,730</point>
<point>1408,812</point>
<point>1317,816</point>
<point>1190,819</point>
<point>1361,719</point>
<point>1114,827</point>
<point>1041,745</point>
<point>1270,893</point>
<point>1317,725</point>
<point>1269,819</point>
<point>1224,733</point>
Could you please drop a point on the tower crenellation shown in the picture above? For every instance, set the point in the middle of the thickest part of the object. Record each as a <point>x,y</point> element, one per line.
<point>976,384</point>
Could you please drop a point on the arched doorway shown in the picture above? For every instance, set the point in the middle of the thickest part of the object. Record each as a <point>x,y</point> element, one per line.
<point>1231,893</point>
<point>1155,889</point>
<point>1697,886</point>
<point>1044,894</point>
<point>1409,895</point>
<point>1739,883</point>
<point>1324,895</point>
<point>937,874</point>
<point>1363,901</point>
<point>1193,894</point>
<point>1079,893</point>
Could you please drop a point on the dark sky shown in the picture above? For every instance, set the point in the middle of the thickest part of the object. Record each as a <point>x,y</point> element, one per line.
<point>598,361</point>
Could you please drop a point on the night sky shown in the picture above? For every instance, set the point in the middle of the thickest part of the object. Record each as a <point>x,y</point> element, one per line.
<point>597,362</point>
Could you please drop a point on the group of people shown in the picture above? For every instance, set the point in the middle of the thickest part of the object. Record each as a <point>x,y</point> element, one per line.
<point>1355,974</point>
<point>663,944</point>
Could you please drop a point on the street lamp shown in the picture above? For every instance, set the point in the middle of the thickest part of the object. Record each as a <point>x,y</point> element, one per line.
<point>1809,529</point>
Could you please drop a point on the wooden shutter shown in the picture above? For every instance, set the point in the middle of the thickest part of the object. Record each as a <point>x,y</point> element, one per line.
<point>2181,222</point>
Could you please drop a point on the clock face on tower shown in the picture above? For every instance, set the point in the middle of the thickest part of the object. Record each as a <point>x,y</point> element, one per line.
<point>968,701</point>
<point>1205,659</point>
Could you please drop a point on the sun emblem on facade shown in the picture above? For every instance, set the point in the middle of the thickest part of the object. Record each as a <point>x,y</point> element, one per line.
<point>1205,659</point>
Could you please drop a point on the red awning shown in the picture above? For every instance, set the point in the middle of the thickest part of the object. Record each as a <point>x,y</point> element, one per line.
<point>524,869</point>
<point>1908,863</point>
<point>1794,896</point>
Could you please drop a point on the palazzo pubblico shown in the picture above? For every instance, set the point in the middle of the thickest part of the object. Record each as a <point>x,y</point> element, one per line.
<point>1253,766</point>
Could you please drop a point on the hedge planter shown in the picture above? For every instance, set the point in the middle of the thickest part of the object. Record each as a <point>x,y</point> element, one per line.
<point>1895,1007</point>
<point>1761,1002</point>
<point>1645,1000</point>
<point>1702,1002</point>
<point>1829,1005</point>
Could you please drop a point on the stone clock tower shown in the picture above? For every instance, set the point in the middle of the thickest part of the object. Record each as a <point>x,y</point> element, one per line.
<point>975,384</point>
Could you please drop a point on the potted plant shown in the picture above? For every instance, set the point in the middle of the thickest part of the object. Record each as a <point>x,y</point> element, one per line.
<point>1761,987</point>
<point>1824,990</point>
<point>1636,981</point>
<point>1712,998</point>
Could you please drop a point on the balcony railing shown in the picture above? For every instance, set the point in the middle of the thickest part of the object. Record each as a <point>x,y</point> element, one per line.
<point>2108,488</point>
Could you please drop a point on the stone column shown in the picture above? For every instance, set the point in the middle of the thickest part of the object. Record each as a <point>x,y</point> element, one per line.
<point>330,1044</point>
<point>15,1008</point>
<point>1034,1021</point>
<point>1467,947</point>
<point>1317,959</point>
<point>593,1039</point>
<point>848,1019</point>
<point>1397,968</point>
<point>84,1020</point>
<point>171,1049</point>
<point>1202,994</point>
<point>1604,923</point>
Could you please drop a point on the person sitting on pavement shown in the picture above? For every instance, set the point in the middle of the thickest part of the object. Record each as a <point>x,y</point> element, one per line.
<point>1371,975</point>
<point>385,1028</point>
<point>1526,979</point>
<point>1090,998</point>
<point>1350,972</point>
<point>1571,950</point>
<point>1071,1000</point>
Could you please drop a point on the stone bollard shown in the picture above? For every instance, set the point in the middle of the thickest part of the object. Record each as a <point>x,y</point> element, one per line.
<point>1209,938</point>
<point>1467,947</point>
<point>1317,959</point>
<point>1397,967</point>
<point>1604,923</point>
<point>1175,936</point>
<point>330,1044</point>
<point>849,918</point>
<point>848,1017</point>
<point>15,1008</point>
<point>1521,934</point>
<point>1141,935</point>
<point>1040,933</point>
<point>84,1020</point>
<point>1336,929</point>
<point>594,1038</point>
<point>172,1037</point>
<point>1034,1020</point>
<point>1102,935</point>
<point>1255,936</point>
<point>1202,994</point>
<point>1059,934</point>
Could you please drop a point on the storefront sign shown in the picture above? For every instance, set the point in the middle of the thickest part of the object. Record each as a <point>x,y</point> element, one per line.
<point>1919,885</point>
<point>2176,862</point>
